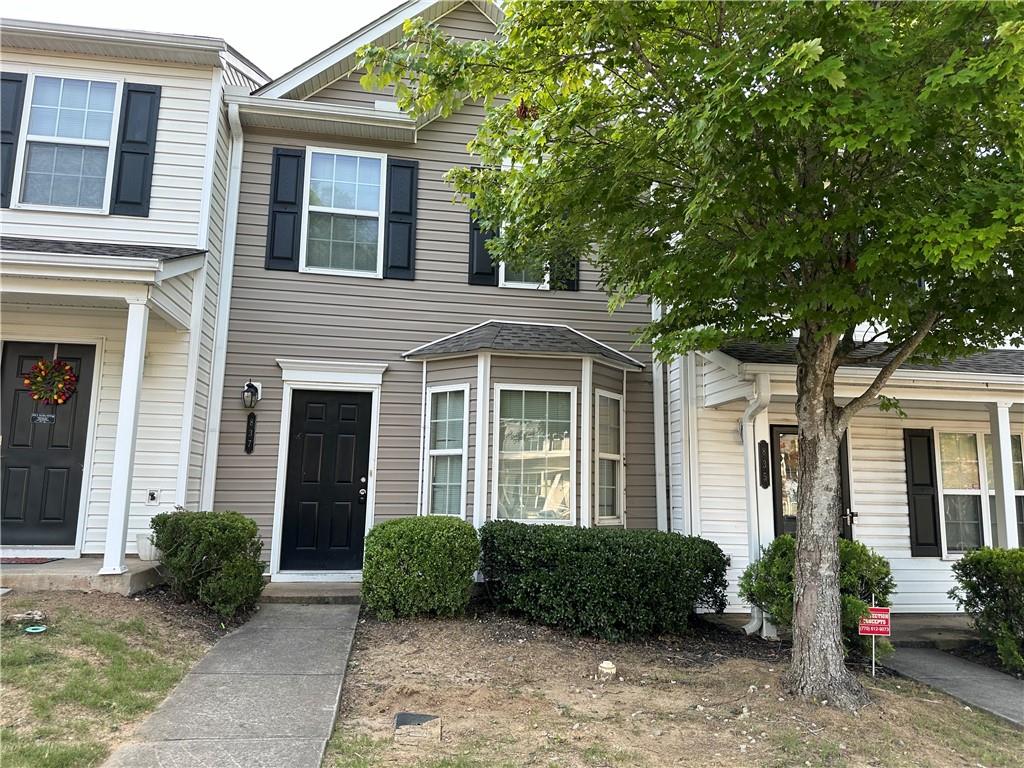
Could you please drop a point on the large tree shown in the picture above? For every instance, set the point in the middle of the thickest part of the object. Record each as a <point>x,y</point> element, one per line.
<point>764,171</point>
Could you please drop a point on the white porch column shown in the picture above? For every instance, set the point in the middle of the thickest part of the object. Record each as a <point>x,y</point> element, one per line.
<point>1005,534</point>
<point>587,437</point>
<point>124,439</point>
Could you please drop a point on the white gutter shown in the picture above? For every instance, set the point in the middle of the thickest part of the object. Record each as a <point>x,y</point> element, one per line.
<point>660,476</point>
<point>759,400</point>
<point>220,335</point>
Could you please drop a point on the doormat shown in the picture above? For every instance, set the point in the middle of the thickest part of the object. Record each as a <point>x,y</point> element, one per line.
<point>28,560</point>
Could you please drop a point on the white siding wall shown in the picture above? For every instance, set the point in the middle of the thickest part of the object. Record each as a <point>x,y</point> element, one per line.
<point>160,412</point>
<point>178,167</point>
<point>674,395</point>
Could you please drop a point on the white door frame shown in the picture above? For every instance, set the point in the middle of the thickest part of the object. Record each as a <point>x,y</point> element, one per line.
<point>329,376</point>
<point>75,550</point>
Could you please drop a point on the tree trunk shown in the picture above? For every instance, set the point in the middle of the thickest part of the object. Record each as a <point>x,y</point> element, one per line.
<point>818,670</point>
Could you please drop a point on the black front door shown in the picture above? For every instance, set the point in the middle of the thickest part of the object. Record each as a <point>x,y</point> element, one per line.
<point>43,447</point>
<point>326,481</point>
<point>786,481</point>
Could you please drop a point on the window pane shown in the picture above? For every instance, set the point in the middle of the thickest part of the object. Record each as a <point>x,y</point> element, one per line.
<point>534,473</point>
<point>65,175</point>
<point>71,109</point>
<point>959,457</point>
<point>789,473</point>
<point>348,182</point>
<point>1020,521</point>
<point>42,121</point>
<point>608,488</point>
<point>608,421</point>
<point>46,91</point>
<point>74,93</point>
<point>533,275</point>
<point>101,97</point>
<point>446,420</point>
<point>963,522</point>
<point>332,243</point>
<point>446,485</point>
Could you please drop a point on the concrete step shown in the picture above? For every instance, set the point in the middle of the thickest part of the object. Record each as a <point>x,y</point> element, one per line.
<point>313,593</point>
<point>80,575</point>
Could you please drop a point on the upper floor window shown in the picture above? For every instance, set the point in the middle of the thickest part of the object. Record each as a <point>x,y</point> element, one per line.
<point>528,277</point>
<point>67,156</point>
<point>344,212</point>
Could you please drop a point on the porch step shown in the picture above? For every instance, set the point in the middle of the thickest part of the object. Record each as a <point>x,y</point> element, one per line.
<point>80,575</point>
<point>313,593</point>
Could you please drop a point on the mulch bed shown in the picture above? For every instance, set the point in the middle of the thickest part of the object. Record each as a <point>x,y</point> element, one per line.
<point>187,615</point>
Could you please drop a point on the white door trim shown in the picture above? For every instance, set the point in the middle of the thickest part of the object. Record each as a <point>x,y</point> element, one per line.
<point>90,443</point>
<point>330,376</point>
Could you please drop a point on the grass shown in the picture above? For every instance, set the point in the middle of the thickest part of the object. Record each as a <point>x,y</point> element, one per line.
<point>68,694</point>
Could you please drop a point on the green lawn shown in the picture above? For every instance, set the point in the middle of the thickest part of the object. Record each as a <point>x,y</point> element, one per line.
<point>105,662</point>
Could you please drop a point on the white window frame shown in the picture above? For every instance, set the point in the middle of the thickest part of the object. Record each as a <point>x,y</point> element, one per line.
<point>24,138</point>
<point>542,286</point>
<point>990,540</point>
<point>496,448</point>
<point>429,453</point>
<point>620,457</point>
<point>306,208</point>
<point>983,491</point>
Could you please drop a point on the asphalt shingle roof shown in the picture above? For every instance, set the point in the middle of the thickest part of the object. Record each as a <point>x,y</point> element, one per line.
<point>531,338</point>
<point>1006,362</point>
<point>81,248</point>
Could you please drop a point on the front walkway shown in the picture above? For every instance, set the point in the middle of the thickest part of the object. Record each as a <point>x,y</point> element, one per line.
<point>265,696</point>
<point>980,687</point>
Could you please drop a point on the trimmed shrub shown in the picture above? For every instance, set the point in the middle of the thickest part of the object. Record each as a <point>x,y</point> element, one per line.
<point>212,558</point>
<point>768,585</point>
<point>420,566</point>
<point>990,589</point>
<point>607,582</point>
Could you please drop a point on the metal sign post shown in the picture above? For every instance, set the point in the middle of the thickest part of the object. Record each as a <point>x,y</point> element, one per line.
<point>876,624</point>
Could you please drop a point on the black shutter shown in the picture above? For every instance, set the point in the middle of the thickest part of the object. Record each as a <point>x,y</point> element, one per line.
<point>922,492</point>
<point>12,101</point>
<point>136,147</point>
<point>565,277</point>
<point>400,219</point>
<point>482,271</point>
<point>284,221</point>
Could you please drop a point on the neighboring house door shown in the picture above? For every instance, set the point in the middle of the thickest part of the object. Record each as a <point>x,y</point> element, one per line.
<point>786,481</point>
<point>324,519</point>
<point>43,447</point>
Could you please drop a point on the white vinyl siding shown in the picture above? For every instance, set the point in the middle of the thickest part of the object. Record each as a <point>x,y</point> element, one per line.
<point>178,163</point>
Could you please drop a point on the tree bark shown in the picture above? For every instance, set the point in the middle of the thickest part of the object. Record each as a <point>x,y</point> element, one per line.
<point>818,670</point>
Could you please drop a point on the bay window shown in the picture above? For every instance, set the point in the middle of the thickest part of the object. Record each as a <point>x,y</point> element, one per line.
<point>66,160</point>
<point>344,212</point>
<point>534,466</point>
<point>446,451</point>
<point>609,457</point>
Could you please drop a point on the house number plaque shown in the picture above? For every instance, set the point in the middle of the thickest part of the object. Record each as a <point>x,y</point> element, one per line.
<point>763,466</point>
<point>43,418</point>
<point>250,432</point>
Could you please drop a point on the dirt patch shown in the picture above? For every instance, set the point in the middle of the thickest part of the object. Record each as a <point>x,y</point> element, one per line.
<point>514,694</point>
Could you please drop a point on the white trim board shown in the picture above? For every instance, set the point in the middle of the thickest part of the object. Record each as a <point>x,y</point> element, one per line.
<point>425,450</point>
<point>332,376</point>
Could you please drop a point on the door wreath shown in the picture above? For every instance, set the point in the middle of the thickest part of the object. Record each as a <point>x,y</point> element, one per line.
<point>51,381</point>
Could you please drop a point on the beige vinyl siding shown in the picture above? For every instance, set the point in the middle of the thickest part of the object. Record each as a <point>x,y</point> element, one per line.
<point>459,371</point>
<point>160,410</point>
<point>178,163</point>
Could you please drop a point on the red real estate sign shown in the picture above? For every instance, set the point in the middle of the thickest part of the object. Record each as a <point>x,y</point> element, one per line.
<point>875,623</point>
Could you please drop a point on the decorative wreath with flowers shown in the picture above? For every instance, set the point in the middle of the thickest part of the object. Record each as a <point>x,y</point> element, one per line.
<point>52,381</point>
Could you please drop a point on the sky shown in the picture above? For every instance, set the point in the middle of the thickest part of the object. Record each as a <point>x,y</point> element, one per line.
<point>273,40</point>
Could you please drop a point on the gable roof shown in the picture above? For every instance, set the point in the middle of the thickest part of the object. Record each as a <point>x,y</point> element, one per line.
<point>338,60</point>
<point>1006,362</point>
<point>523,338</point>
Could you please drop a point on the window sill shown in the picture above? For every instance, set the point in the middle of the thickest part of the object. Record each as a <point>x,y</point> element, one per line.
<point>526,286</point>
<point>342,273</point>
<point>535,522</point>
<point>608,522</point>
<point>58,209</point>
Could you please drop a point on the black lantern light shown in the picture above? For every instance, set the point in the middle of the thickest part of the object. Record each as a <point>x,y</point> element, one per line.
<point>250,394</point>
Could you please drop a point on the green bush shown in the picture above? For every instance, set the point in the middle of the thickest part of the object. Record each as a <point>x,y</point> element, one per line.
<point>990,589</point>
<point>768,585</point>
<point>212,558</point>
<point>608,582</point>
<point>420,566</point>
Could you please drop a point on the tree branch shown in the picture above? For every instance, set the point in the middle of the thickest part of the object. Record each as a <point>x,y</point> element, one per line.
<point>869,395</point>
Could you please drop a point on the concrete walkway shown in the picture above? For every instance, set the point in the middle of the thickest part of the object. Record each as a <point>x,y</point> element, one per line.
<point>265,696</point>
<point>973,684</point>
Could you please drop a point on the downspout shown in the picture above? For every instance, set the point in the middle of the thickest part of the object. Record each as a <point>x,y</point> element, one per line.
<point>759,399</point>
<point>660,475</point>
<point>220,337</point>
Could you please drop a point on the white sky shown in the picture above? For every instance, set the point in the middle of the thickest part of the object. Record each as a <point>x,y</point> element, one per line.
<point>275,39</point>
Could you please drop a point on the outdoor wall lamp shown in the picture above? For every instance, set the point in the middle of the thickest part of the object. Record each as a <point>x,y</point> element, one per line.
<point>252,393</point>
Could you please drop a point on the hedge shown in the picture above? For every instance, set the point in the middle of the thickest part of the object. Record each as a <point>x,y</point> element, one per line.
<point>990,589</point>
<point>612,583</point>
<point>420,566</point>
<point>768,585</point>
<point>212,558</point>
